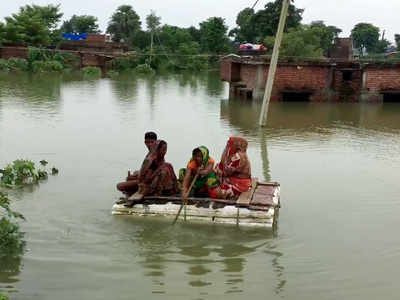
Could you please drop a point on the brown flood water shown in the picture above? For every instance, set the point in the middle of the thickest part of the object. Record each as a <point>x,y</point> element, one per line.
<point>338,165</point>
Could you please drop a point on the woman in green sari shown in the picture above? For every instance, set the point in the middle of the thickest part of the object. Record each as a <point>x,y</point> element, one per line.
<point>202,164</point>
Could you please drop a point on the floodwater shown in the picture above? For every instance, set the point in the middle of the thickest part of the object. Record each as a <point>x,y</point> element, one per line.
<point>338,165</point>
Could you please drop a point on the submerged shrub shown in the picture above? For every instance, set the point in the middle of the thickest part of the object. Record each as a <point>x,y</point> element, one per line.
<point>22,172</point>
<point>3,65</point>
<point>124,63</point>
<point>112,74</point>
<point>144,69</point>
<point>45,60</point>
<point>18,64</point>
<point>11,238</point>
<point>37,54</point>
<point>91,72</point>
<point>46,66</point>
<point>3,297</point>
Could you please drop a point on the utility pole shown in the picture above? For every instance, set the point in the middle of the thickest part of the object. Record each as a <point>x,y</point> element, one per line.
<point>273,64</point>
<point>151,44</point>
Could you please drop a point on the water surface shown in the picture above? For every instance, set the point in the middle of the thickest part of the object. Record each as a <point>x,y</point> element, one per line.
<point>338,165</point>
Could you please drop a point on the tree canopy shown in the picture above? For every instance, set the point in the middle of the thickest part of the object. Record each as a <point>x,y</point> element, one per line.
<point>124,24</point>
<point>365,37</point>
<point>213,38</point>
<point>32,25</point>
<point>397,40</point>
<point>81,24</point>
<point>254,27</point>
<point>302,41</point>
<point>326,35</point>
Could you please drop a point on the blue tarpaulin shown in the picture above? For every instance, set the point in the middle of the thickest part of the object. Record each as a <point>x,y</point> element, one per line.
<point>74,37</point>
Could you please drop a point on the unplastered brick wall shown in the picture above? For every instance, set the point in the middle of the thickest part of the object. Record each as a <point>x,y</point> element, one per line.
<point>301,77</point>
<point>8,52</point>
<point>289,77</point>
<point>226,70</point>
<point>248,75</point>
<point>381,79</point>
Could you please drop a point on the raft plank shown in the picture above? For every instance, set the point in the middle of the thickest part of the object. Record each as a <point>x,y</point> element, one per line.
<point>245,198</point>
<point>190,199</point>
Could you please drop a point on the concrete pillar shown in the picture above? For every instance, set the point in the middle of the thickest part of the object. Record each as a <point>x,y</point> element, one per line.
<point>364,79</point>
<point>258,91</point>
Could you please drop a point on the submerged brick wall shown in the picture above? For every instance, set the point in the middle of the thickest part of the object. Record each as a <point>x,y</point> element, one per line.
<point>8,52</point>
<point>382,79</point>
<point>343,81</point>
<point>290,78</point>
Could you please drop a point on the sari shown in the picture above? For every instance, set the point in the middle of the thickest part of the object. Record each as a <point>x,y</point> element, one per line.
<point>233,171</point>
<point>157,177</point>
<point>203,183</point>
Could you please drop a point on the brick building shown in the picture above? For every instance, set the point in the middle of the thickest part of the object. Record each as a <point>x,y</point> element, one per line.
<point>326,80</point>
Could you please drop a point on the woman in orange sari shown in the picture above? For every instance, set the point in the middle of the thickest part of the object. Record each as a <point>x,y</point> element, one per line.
<point>233,171</point>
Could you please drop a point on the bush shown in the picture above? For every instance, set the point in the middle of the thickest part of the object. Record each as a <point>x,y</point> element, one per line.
<point>52,60</point>
<point>91,72</point>
<point>11,238</point>
<point>22,172</point>
<point>18,64</point>
<point>144,69</point>
<point>3,65</point>
<point>46,66</point>
<point>112,74</point>
<point>124,63</point>
<point>3,297</point>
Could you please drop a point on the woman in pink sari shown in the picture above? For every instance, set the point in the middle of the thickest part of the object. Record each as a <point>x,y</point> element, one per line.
<point>233,171</point>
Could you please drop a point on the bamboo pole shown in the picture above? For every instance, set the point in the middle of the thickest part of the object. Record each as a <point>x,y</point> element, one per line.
<point>273,64</point>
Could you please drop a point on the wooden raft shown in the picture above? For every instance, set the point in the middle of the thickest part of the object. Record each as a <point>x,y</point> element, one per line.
<point>259,197</point>
<point>256,207</point>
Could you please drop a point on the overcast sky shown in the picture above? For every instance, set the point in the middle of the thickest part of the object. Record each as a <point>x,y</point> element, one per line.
<point>340,13</point>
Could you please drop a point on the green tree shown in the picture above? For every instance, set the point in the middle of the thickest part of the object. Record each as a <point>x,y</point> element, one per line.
<point>124,24</point>
<point>365,37</point>
<point>254,27</point>
<point>302,41</point>
<point>153,24</point>
<point>326,35</point>
<point>194,33</point>
<point>2,33</point>
<point>244,30</point>
<point>32,25</point>
<point>50,14</point>
<point>397,40</point>
<point>81,24</point>
<point>213,35</point>
<point>172,36</point>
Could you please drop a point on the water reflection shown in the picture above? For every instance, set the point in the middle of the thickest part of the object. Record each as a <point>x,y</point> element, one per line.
<point>214,87</point>
<point>304,118</point>
<point>125,88</point>
<point>208,257</point>
<point>10,268</point>
<point>38,91</point>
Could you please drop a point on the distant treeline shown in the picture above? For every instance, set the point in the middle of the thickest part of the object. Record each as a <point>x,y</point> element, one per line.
<point>162,45</point>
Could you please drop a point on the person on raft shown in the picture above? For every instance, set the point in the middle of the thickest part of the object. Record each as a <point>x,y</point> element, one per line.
<point>233,171</point>
<point>156,177</point>
<point>202,164</point>
<point>131,185</point>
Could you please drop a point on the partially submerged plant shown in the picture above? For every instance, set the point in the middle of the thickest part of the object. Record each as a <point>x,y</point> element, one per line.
<point>21,172</point>
<point>11,238</point>
<point>144,69</point>
<point>3,297</point>
<point>91,72</point>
